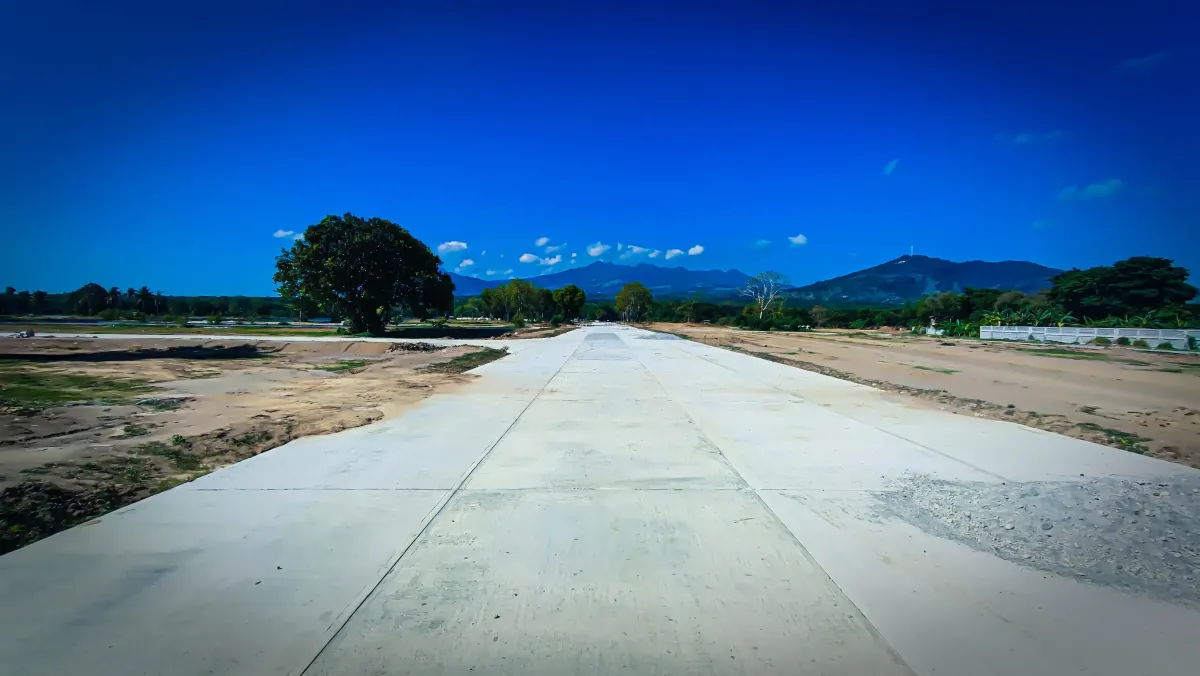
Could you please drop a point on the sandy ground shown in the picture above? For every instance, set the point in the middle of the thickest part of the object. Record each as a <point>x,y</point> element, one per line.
<point>199,406</point>
<point>1147,402</point>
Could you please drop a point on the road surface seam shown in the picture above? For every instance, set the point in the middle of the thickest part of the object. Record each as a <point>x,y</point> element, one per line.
<point>870,626</point>
<point>850,417</point>
<point>429,519</point>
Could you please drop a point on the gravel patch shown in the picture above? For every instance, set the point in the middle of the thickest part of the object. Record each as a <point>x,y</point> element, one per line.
<point>1138,536</point>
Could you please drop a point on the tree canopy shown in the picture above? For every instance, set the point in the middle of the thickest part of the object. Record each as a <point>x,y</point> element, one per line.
<point>1134,286</point>
<point>366,269</point>
<point>633,301</point>
<point>570,300</point>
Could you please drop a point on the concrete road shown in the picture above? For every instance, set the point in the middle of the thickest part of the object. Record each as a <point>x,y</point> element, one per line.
<point>617,502</point>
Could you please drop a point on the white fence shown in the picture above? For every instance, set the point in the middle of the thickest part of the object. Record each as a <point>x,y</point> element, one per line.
<point>1178,338</point>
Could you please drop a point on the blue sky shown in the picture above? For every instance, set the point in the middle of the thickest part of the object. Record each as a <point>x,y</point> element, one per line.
<point>168,143</point>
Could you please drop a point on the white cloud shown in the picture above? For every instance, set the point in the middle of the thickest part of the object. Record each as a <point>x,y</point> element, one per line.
<point>299,237</point>
<point>1029,137</point>
<point>597,249</point>
<point>618,246</point>
<point>551,261</point>
<point>554,247</point>
<point>451,246</point>
<point>528,258</point>
<point>1092,191</point>
<point>284,233</point>
<point>490,273</point>
<point>762,244</point>
<point>541,241</point>
<point>890,167</point>
<point>464,265</point>
<point>574,255</point>
<point>1142,62</point>
<point>655,253</point>
<point>671,253</point>
<point>508,271</point>
<point>696,250</point>
<point>798,240</point>
<point>632,250</point>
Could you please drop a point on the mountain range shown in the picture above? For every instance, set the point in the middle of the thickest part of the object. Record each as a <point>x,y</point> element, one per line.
<point>894,282</point>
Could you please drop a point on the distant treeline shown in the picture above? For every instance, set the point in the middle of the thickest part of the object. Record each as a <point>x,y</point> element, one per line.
<point>93,300</point>
<point>1139,292</point>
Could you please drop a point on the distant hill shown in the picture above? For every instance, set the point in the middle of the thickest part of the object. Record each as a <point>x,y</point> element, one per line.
<point>603,280</point>
<point>910,277</point>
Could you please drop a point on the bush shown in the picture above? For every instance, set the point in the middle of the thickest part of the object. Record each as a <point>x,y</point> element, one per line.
<point>108,315</point>
<point>1101,341</point>
<point>1192,343</point>
<point>181,322</point>
<point>556,321</point>
<point>1141,343</point>
<point>284,324</point>
<point>215,319</point>
<point>1123,340</point>
<point>1165,346</point>
<point>518,321</point>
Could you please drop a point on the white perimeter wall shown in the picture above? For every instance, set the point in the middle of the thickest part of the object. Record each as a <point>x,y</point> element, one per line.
<point>1073,334</point>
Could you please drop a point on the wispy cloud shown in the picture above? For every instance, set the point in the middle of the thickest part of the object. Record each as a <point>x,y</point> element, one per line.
<point>541,241</point>
<point>483,253</point>
<point>466,263</point>
<point>490,273</point>
<point>696,250</point>
<point>632,250</point>
<point>762,244</point>
<point>798,240</point>
<point>1142,62</point>
<point>508,271</point>
<point>551,261</point>
<point>284,233</point>
<point>298,236</point>
<point>528,258</point>
<point>574,255</point>
<point>451,246</point>
<point>671,253</point>
<point>1092,190</point>
<point>555,247</point>
<point>1026,138</point>
<point>597,249</point>
<point>890,167</point>
<point>655,253</point>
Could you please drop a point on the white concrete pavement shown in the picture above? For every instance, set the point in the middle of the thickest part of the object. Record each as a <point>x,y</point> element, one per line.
<point>603,502</point>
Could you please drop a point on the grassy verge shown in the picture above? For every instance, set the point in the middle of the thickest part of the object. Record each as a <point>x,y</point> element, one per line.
<point>936,370</point>
<point>1063,353</point>
<point>26,385</point>
<point>198,330</point>
<point>466,362</point>
<point>344,365</point>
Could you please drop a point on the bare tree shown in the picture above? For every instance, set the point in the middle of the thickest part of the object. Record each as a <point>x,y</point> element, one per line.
<point>763,288</point>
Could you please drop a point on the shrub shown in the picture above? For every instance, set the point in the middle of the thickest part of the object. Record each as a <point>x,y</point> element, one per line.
<point>1165,346</point>
<point>284,324</point>
<point>1101,341</point>
<point>108,315</point>
<point>518,321</point>
<point>181,321</point>
<point>1192,343</point>
<point>1123,340</point>
<point>215,319</point>
<point>556,321</point>
<point>1141,343</point>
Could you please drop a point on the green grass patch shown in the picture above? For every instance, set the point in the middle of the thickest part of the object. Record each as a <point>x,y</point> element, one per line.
<point>1063,353</point>
<point>1124,440</point>
<point>133,430</point>
<point>197,329</point>
<point>177,454</point>
<point>936,370</point>
<point>344,365</point>
<point>252,438</point>
<point>466,362</point>
<point>27,385</point>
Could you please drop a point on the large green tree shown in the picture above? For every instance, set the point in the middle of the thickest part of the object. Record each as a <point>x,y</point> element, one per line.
<point>1134,286</point>
<point>570,300</point>
<point>364,269</point>
<point>633,301</point>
